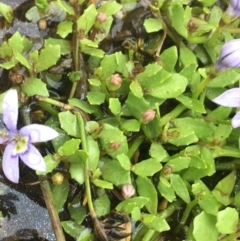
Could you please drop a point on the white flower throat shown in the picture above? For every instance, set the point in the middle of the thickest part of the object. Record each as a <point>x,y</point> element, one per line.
<point>20,144</point>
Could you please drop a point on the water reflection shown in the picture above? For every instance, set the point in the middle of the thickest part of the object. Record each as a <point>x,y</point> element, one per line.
<point>22,218</point>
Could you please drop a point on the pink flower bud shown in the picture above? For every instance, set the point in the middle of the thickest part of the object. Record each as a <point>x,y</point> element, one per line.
<point>101,17</point>
<point>148,116</point>
<point>128,191</point>
<point>116,80</point>
<point>114,146</point>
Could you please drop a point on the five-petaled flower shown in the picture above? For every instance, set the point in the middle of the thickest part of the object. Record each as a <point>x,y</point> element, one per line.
<point>18,142</point>
<point>234,8</point>
<point>230,98</point>
<point>229,56</point>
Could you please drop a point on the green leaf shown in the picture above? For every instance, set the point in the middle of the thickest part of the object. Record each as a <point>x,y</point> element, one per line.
<point>47,57</point>
<point>78,213</point>
<point>136,105</point>
<point>7,12</point>
<point>113,141</point>
<point>147,167</point>
<point>136,89</point>
<point>115,106</point>
<point>102,205</point>
<point>169,58</point>
<point>158,152</point>
<point>77,161</point>
<point>127,206</point>
<point>68,122</point>
<point>155,223</point>
<point>192,104</point>
<point>180,187</point>
<point>60,193</point>
<point>130,125</point>
<point>146,188</point>
<point>201,128</point>
<point>205,166</point>
<point>187,57</point>
<point>113,172</point>
<point>205,198</point>
<point>170,88</point>
<point>124,161</point>
<point>69,147</point>
<point>93,152</point>
<point>83,105</point>
<point>102,184</point>
<point>65,45</point>
<point>16,43</point>
<point>204,226</point>
<point>152,25</point>
<point>224,79</point>
<point>180,136</point>
<point>33,15</point>
<point>66,7</point>
<point>109,8</point>
<point>64,28</point>
<point>223,189</point>
<point>178,163</point>
<point>95,97</point>
<point>179,18</point>
<point>166,190</point>
<point>50,164</point>
<point>75,230</point>
<point>87,19</point>
<point>34,86</point>
<point>227,221</point>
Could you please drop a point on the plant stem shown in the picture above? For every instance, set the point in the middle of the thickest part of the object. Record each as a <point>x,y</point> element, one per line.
<point>187,211</point>
<point>200,88</point>
<point>228,165</point>
<point>53,214</point>
<point>48,108</point>
<point>173,114</point>
<point>137,142</point>
<point>87,179</point>
<point>61,105</point>
<point>75,47</point>
<point>233,30</point>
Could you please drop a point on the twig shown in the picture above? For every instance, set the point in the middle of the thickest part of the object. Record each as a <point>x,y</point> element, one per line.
<point>53,214</point>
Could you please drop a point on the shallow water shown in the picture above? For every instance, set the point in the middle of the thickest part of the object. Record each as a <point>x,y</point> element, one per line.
<point>30,216</point>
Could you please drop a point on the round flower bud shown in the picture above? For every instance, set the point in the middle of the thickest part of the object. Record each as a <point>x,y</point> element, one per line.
<point>229,55</point>
<point>42,24</point>
<point>148,116</point>
<point>116,80</point>
<point>101,17</point>
<point>128,191</point>
<point>114,146</point>
<point>57,178</point>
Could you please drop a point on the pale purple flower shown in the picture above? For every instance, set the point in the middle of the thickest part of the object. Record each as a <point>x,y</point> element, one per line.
<point>234,8</point>
<point>229,56</point>
<point>230,98</point>
<point>18,142</point>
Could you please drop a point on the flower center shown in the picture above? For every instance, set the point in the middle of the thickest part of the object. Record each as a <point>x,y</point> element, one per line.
<point>20,144</point>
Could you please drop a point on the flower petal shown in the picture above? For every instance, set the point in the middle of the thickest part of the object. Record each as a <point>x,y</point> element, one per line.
<point>10,109</point>
<point>236,120</point>
<point>229,98</point>
<point>38,133</point>
<point>10,164</point>
<point>33,159</point>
